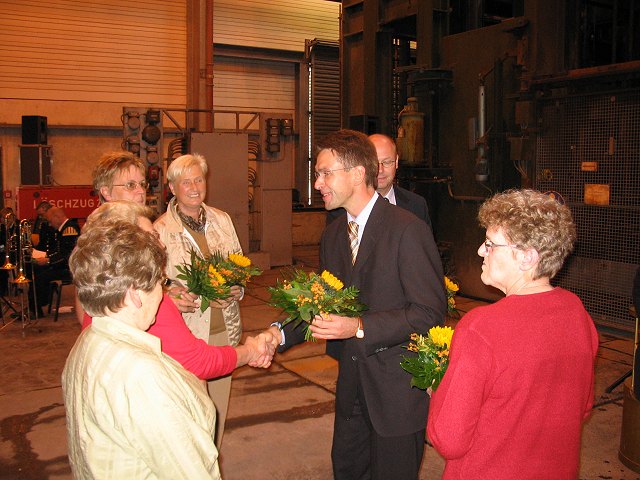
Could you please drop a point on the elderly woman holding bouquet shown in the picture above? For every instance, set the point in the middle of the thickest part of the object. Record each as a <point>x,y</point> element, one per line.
<point>520,377</point>
<point>189,226</point>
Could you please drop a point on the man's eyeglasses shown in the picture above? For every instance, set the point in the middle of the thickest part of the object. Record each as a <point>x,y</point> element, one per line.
<point>327,173</point>
<point>131,185</point>
<point>386,163</point>
<point>488,245</point>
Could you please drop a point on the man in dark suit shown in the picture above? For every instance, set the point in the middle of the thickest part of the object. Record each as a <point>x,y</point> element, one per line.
<point>380,420</point>
<point>55,266</point>
<point>43,236</point>
<point>387,154</point>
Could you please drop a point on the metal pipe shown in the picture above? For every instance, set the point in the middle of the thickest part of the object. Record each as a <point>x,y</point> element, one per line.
<point>463,197</point>
<point>209,63</point>
<point>482,174</point>
<point>481,118</point>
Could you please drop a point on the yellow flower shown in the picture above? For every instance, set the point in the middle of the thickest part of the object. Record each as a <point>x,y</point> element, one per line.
<point>451,286</point>
<point>441,336</point>
<point>215,278</point>
<point>240,260</point>
<point>332,281</point>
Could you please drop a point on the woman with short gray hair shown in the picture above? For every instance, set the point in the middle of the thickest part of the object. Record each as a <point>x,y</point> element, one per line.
<point>131,411</point>
<point>190,225</point>
<point>520,377</point>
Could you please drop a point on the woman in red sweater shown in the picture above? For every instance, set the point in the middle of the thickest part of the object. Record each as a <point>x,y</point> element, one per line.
<point>520,378</point>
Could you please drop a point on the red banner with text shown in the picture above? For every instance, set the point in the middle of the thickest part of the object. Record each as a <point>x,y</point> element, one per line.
<point>78,201</point>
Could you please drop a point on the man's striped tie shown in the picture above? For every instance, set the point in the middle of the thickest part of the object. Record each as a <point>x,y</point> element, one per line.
<point>353,241</point>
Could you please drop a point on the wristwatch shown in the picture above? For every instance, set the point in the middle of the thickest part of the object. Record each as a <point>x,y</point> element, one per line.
<point>360,331</point>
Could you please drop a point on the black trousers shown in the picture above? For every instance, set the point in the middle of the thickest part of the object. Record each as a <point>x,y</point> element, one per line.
<point>41,283</point>
<point>359,453</point>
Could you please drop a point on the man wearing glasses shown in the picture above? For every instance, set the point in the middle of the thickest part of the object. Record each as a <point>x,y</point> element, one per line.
<point>387,165</point>
<point>391,257</point>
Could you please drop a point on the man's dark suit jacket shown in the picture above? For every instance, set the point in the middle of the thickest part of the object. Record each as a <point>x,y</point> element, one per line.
<point>404,198</point>
<point>399,274</point>
<point>65,242</point>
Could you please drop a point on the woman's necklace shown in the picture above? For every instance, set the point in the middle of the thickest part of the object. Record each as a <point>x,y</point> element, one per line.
<point>526,286</point>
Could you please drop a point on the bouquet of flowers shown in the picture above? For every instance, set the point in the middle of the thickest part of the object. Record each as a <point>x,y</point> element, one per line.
<point>452,290</point>
<point>429,366</point>
<point>236,269</point>
<point>212,277</point>
<point>303,295</point>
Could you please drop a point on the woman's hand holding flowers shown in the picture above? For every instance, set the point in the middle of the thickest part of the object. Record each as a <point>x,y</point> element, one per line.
<point>236,293</point>
<point>218,280</point>
<point>184,300</point>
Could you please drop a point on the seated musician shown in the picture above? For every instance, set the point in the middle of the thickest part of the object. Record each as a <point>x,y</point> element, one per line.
<point>55,266</point>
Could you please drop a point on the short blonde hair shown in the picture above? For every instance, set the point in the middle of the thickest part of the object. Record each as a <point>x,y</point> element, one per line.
<point>109,259</point>
<point>180,165</point>
<point>109,165</point>
<point>531,219</point>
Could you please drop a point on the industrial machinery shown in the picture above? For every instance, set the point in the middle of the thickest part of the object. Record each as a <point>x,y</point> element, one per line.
<point>520,93</point>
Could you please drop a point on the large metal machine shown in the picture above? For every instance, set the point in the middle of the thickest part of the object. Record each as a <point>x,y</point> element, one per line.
<point>487,95</point>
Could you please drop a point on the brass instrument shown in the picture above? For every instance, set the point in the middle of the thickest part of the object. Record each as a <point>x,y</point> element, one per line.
<point>9,241</point>
<point>25,251</point>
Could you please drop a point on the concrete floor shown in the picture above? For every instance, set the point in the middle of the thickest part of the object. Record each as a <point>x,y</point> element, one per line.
<point>280,420</point>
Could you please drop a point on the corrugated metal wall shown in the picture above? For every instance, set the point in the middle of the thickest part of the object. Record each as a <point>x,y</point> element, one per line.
<point>255,85</point>
<point>264,85</point>
<point>274,24</point>
<point>105,51</point>
<point>325,99</point>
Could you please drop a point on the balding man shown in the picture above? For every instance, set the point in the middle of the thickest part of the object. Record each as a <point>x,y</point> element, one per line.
<point>387,165</point>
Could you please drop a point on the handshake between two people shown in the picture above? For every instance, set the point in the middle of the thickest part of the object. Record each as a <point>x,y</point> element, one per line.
<point>258,351</point>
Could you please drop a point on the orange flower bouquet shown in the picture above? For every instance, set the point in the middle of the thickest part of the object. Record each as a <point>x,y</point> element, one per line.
<point>212,277</point>
<point>304,295</point>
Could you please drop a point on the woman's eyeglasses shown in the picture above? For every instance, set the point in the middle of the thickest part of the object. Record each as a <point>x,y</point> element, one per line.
<point>131,185</point>
<point>488,245</point>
